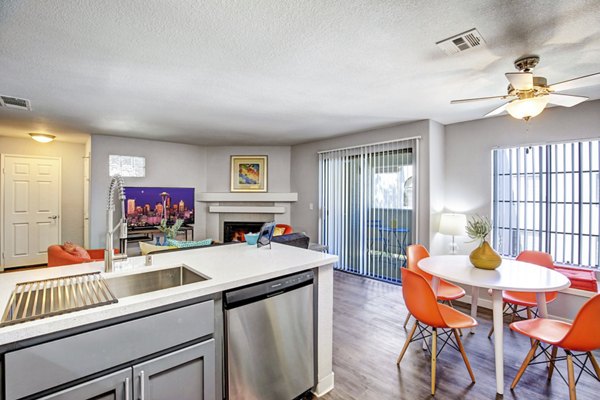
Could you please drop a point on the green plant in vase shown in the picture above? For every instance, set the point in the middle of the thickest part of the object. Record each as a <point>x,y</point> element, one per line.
<point>170,232</point>
<point>484,256</point>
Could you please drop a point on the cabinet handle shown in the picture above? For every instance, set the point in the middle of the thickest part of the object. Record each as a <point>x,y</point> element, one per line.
<point>127,389</point>
<point>141,385</point>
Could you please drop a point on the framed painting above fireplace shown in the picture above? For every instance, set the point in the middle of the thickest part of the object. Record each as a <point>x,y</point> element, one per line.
<point>248,173</point>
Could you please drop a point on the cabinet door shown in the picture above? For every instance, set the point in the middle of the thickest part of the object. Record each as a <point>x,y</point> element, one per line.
<point>187,374</point>
<point>115,386</point>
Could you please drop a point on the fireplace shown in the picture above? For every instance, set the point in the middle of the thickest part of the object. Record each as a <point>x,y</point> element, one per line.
<point>233,231</point>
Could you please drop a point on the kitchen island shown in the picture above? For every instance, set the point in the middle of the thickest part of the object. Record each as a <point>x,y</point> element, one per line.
<point>227,267</point>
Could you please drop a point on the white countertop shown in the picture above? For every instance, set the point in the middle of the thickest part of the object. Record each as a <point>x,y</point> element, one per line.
<point>227,266</point>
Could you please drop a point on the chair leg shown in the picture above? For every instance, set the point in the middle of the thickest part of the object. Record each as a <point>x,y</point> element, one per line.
<point>491,332</point>
<point>514,313</point>
<point>595,364</point>
<point>406,320</point>
<point>464,355</point>
<point>571,372</point>
<point>552,361</point>
<point>433,358</point>
<point>408,339</point>
<point>528,358</point>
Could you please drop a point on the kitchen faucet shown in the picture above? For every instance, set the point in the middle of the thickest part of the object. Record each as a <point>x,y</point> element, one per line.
<point>110,257</point>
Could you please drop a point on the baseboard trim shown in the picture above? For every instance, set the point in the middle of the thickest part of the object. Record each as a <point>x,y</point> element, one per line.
<point>324,386</point>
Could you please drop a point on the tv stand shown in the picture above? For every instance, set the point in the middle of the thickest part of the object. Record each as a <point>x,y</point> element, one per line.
<point>147,234</point>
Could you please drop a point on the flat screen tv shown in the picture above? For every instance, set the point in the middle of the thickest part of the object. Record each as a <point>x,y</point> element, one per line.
<point>146,206</point>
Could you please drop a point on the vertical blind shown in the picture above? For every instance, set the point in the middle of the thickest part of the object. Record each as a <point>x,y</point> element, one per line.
<point>546,198</point>
<point>367,204</point>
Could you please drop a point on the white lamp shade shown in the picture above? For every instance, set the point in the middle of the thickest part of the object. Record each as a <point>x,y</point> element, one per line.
<point>453,224</point>
<point>527,108</point>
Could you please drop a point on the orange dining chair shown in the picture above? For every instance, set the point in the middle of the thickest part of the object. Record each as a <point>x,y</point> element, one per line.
<point>446,291</point>
<point>422,304</point>
<point>526,300</point>
<point>581,336</point>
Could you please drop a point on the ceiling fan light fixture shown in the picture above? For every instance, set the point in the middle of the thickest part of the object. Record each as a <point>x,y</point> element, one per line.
<point>527,108</point>
<point>42,137</point>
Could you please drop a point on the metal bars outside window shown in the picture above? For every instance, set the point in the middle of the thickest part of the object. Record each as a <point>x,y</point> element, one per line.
<point>547,198</point>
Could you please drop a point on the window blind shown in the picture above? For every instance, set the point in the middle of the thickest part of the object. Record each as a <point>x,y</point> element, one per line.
<point>367,204</point>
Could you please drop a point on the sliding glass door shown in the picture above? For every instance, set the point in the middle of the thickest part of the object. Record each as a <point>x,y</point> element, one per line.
<point>368,206</point>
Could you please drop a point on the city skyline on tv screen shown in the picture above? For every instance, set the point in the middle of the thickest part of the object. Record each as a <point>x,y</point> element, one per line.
<point>145,208</point>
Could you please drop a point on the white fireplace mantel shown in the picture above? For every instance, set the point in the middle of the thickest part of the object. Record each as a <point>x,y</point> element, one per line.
<point>247,197</point>
<point>245,207</point>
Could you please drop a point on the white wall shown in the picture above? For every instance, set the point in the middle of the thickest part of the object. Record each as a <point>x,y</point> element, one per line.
<point>71,155</point>
<point>207,169</point>
<point>468,146</point>
<point>219,162</point>
<point>167,164</point>
<point>437,185</point>
<point>305,169</point>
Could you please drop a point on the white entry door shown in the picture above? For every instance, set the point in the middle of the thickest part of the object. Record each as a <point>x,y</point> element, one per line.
<point>30,208</point>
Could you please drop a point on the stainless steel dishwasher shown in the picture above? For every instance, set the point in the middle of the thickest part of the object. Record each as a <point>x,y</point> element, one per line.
<point>269,339</point>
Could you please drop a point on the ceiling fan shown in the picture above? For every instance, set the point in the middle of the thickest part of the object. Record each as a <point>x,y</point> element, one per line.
<point>528,95</point>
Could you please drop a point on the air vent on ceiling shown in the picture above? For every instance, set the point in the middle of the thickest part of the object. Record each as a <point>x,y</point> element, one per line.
<point>15,102</point>
<point>461,42</point>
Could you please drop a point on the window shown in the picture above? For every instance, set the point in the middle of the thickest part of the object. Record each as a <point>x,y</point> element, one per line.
<point>547,198</point>
<point>393,187</point>
<point>127,166</point>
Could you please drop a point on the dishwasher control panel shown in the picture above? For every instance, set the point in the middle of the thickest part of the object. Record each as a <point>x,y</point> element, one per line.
<point>244,295</point>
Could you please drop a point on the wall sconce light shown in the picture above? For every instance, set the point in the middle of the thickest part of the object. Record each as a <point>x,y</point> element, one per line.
<point>453,224</point>
<point>42,137</point>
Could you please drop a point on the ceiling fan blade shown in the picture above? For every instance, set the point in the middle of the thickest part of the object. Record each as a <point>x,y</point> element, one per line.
<point>566,100</point>
<point>587,80</point>
<point>504,97</point>
<point>497,110</point>
<point>520,80</point>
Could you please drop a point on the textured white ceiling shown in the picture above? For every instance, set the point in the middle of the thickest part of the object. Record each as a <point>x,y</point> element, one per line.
<point>273,71</point>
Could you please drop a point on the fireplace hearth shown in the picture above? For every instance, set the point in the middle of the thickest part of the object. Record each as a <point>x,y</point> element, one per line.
<point>233,231</point>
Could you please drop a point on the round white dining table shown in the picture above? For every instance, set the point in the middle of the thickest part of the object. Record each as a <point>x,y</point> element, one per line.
<point>511,275</point>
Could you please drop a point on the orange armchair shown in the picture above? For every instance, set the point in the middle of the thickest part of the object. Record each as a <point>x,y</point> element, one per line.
<point>57,256</point>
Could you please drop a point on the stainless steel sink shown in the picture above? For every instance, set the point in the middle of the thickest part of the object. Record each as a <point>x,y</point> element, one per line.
<point>145,282</point>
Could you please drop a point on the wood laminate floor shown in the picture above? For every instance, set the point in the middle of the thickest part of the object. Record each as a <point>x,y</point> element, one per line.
<point>368,336</point>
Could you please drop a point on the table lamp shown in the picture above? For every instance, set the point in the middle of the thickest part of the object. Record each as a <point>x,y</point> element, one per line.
<point>453,224</point>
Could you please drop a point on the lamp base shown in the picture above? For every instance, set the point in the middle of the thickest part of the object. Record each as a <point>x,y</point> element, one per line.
<point>453,247</point>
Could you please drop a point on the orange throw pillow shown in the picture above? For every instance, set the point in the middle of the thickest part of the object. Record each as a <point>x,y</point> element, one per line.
<point>76,250</point>
<point>278,231</point>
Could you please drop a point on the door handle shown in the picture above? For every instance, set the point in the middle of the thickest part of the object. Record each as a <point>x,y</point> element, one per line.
<point>127,389</point>
<point>142,385</point>
<point>53,217</point>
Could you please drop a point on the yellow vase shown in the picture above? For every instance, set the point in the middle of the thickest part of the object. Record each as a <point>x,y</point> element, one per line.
<point>485,257</point>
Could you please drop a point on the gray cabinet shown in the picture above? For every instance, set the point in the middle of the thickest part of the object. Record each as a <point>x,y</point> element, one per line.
<point>187,374</point>
<point>115,386</point>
